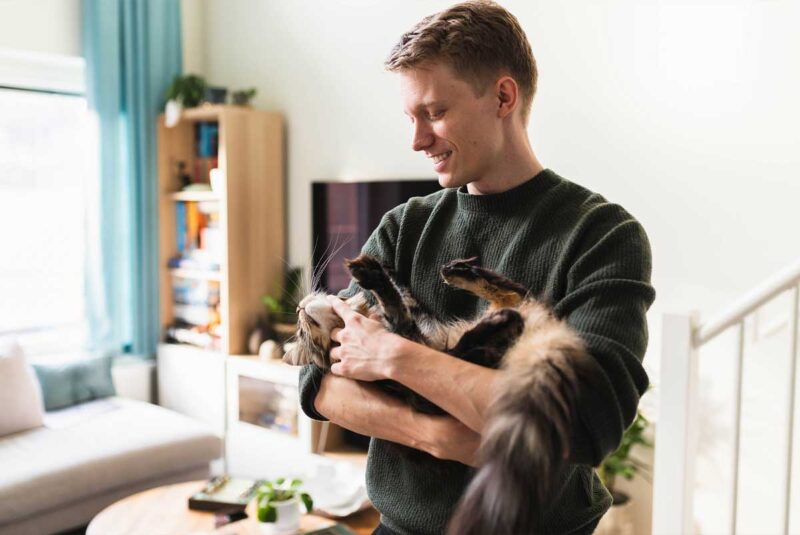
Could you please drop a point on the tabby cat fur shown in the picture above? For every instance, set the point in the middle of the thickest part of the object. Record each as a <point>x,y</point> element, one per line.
<point>525,440</point>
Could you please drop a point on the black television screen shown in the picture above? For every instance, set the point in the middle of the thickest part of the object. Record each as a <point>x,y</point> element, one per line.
<point>344,216</point>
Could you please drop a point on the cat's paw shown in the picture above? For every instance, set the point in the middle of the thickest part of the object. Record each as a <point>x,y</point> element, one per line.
<point>497,289</point>
<point>368,272</point>
<point>462,268</point>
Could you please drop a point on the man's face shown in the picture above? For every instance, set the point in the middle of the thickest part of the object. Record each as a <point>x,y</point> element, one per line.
<point>458,131</point>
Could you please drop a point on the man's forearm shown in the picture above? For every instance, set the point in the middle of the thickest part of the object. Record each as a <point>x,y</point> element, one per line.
<point>460,388</point>
<point>365,409</point>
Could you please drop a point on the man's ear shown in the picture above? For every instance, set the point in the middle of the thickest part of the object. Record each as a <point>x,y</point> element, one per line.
<point>507,92</point>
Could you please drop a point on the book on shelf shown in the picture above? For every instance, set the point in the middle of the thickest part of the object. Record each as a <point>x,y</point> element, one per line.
<point>197,259</point>
<point>180,227</point>
<point>197,228</point>
<point>187,291</point>
<point>195,335</point>
<point>203,167</point>
<point>206,138</point>
<point>206,142</point>
<point>196,314</point>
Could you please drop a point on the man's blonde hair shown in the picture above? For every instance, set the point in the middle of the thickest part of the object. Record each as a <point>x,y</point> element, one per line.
<point>479,39</point>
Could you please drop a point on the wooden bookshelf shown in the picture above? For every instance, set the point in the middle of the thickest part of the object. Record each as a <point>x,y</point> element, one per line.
<point>251,212</point>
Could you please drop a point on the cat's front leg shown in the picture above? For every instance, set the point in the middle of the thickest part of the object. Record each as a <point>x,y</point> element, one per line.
<point>371,275</point>
<point>500,291</point>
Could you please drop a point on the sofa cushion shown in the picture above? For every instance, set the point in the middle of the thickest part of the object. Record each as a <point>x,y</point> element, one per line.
<point>20,398</point>
<point>68,383</point>
<point>136,441</point>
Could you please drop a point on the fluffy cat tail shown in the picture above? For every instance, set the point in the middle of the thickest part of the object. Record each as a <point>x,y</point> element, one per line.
<point>526,440</point>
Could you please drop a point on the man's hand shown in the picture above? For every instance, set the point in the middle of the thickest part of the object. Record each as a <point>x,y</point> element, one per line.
<point>366,350</point>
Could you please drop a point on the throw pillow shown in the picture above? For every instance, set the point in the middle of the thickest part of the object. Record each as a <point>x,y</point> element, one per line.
<point>20,399</point>
<point>70,383</point>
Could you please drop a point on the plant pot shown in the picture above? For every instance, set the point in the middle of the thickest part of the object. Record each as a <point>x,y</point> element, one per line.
<point>172,113</point>
<point>287,519</point>
<point>216,95</point>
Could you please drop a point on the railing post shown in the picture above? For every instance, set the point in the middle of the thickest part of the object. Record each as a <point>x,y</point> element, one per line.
<point>673,474</point>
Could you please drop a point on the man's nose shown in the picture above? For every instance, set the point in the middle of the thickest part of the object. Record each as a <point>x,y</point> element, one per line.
<point>423,137</point>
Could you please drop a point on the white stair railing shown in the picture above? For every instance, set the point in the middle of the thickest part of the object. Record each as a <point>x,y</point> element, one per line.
<point>676,431</point>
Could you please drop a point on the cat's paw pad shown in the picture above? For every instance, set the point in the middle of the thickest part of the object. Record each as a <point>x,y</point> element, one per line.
<point>367,271</point>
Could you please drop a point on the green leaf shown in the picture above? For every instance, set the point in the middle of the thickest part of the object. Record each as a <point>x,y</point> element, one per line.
<point>307,502</point>
<point>295,483</point>
<point>268,513</point>
<point>280,480</point>
<point>272,304</point>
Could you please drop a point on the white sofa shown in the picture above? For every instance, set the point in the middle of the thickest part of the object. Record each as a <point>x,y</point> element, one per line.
<point>59,476</point>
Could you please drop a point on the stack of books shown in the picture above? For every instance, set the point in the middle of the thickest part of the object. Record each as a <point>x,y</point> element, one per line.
<point>198,256</point>
<point>198,236</point>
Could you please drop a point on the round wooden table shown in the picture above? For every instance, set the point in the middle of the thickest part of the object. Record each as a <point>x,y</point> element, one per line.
<point>165,511</point>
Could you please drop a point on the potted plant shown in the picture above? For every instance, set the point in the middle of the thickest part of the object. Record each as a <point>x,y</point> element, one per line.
<point>184,92</point>
<point>278,506</point>
<point>281,311</point>
<point>243,96</point>
<point>618,519</point>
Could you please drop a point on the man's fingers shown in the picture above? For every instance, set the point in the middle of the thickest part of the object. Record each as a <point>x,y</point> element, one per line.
<point>335,354</point>
<point>335,334</point>
<point>341,308</point>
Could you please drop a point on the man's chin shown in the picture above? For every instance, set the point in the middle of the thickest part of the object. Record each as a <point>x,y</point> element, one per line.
<point>449,181</point>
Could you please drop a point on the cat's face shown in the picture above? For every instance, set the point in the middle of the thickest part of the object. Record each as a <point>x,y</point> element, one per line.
<point>316,319</point>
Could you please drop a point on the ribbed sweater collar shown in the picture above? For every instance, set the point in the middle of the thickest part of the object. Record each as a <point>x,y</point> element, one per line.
<point>523,195</point>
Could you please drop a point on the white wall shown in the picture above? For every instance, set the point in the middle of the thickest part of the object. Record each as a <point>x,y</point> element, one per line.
<point>193,34</point>
<point>685,113</point>
<point>48,26</point>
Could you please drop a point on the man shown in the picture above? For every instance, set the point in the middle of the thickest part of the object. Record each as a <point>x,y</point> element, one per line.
<point>468,78</point>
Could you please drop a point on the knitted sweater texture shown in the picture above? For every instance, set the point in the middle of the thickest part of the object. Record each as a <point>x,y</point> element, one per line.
<point>587,258</point>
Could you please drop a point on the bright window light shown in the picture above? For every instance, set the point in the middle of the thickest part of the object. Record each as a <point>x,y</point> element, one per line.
<point>48,155</point>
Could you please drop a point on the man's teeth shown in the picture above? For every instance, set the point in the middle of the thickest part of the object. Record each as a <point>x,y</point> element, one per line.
<point>442,156</point>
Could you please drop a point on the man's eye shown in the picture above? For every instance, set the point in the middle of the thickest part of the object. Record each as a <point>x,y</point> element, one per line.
<point>435,115</point>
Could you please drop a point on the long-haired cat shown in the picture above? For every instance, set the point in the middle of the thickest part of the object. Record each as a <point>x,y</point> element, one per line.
<point>525,441</point>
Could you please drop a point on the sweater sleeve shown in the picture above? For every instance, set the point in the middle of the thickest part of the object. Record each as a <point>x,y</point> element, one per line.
<point>607,296</point>
<point>381,245</point>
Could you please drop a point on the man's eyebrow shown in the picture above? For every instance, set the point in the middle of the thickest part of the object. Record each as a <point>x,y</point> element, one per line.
<point>424,105</point>
<point>431,104</point>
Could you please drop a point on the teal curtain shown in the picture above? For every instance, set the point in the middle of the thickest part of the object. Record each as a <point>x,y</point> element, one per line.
<point>133,51</point>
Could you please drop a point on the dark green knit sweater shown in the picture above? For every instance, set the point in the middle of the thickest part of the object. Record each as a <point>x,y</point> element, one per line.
<point>586,257</point>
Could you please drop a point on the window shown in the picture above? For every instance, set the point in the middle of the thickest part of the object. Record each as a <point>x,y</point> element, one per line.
<point>48,170</point>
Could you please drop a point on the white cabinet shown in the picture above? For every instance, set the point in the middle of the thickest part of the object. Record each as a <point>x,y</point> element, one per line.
<point>191,381</point>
